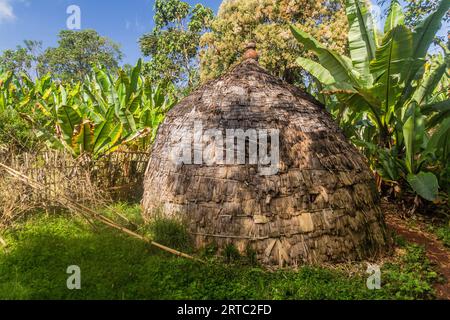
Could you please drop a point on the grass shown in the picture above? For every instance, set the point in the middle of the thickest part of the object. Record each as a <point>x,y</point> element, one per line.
<point>114,266</point>
<point>443,234</point>
<point>442,231</point>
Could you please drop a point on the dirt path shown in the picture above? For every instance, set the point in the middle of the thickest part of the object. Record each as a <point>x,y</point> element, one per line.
<point>435,250</point>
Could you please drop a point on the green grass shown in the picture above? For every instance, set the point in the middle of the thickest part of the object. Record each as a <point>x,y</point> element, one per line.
<point>114,266</point>
<point>443,234</point>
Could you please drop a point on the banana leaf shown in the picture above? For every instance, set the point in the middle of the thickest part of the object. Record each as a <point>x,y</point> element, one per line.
<point>395,17</point>
<point>361,37</point>
<point>67,119</point>
<point>390,64</point>
<point>340,67</point>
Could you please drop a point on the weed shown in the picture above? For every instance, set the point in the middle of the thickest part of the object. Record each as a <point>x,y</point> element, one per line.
<point>171,233</point>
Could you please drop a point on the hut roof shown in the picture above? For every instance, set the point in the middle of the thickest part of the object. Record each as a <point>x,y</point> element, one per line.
<point>319,205</point>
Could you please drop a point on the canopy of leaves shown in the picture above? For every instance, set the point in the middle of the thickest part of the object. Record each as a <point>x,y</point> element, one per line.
<point>173,44</point>
<point>77,52</point>
<point>267,22</point>
<point>22,59</point>
<point>417,10</point>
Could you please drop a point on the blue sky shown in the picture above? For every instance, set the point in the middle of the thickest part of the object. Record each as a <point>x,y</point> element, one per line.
<point>123,21</point>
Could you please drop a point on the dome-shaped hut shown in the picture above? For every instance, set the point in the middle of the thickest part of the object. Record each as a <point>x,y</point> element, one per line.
<point>255,162</point>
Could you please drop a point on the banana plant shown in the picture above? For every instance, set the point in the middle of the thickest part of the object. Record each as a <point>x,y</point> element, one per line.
<point>98,116</point>
<point>5,80</point>
<point>383,86</point>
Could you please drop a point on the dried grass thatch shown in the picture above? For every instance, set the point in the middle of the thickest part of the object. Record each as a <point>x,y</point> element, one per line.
<point>322,206</point>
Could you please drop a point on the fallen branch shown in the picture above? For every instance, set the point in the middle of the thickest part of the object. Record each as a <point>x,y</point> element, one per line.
<point>88,213</point>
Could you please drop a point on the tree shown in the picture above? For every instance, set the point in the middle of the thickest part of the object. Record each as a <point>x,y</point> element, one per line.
<point>22,59</point>
<point>173,45</point>
<point>77,52</point>
<point>417,10</point>
<point>267,23</point>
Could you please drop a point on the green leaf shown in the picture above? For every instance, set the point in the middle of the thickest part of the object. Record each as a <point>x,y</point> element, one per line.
<point>414,133</point>
<point>103,130</point>
<point>439,112</point>
<point>67,119</point>
<point>440,140</point>
<point>425,185</point>
<point>135,77</point>
<point>83,138</point>
<point>102,80</point>
<point>395,17</point>
<point>390,64</point>
<point>50,140</point>
<point>112,141</point>
<point>63,95</point>
<point>127,120</point>
<point>423,37</point>
<point>429,81</point>
<point>441,106</point>
<point>317,71</point>
<point>340,67</point>
<point>134,102</point>
<point>361,37</point>
<point>425,32</point>
<point>146,119</point>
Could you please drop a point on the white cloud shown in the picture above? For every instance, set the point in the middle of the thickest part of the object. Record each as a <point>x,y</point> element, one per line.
<point>6,11</point>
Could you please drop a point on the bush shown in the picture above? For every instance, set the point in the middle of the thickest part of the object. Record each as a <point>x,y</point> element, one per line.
<point>15,133</point>
<point>443,234</point>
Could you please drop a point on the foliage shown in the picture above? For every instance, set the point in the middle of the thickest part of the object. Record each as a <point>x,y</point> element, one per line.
<point>444,234</point>
<point>92,117</point>
<point>267,23</point>
<point>416,10</point>
<point>231,253</point>
<point>173,44</point>
<point>21,60</point>
<point>75,54</point>
<point>114,266</point>
<point>412,276</point>
<point>14,130</point>
<point>393,100</point>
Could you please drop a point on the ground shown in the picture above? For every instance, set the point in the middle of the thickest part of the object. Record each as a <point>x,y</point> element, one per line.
<point>418,232</point>
<point>113,266</point>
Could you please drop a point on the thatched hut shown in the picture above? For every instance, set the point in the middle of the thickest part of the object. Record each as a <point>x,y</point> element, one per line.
<point>311,199</point>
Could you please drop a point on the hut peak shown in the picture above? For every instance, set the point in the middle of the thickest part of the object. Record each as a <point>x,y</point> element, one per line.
<point>250,52</point>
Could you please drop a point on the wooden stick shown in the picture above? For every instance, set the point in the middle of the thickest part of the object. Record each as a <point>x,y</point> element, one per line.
<point>87,212</point>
